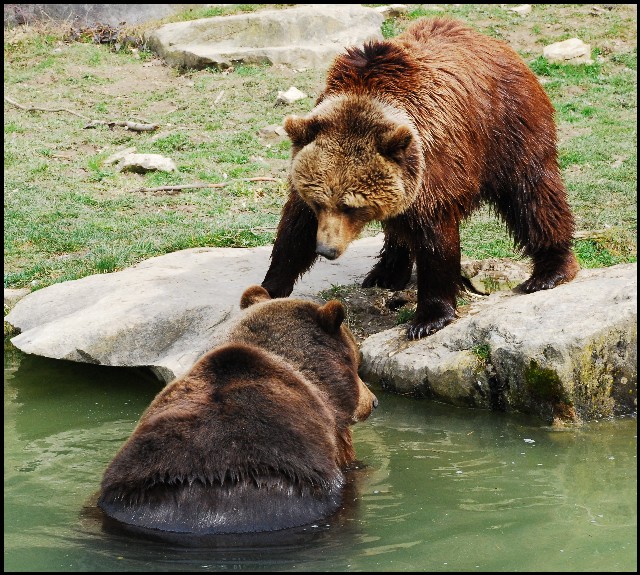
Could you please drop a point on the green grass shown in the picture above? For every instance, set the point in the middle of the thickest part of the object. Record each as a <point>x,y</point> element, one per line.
<point>482,352</point>
<point>67,214</point>
<point>405,314</point>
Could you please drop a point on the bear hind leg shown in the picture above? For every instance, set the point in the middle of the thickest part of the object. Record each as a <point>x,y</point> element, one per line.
<point>542,224</point>
<point>393,269</point>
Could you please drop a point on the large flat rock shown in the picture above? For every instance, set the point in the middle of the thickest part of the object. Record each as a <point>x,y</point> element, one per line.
<point>304,36</point>
<point>165,312</point>
<point>566,354</point>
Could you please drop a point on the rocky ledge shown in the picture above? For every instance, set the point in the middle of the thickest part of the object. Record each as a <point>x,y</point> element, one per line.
<point>565,355</point>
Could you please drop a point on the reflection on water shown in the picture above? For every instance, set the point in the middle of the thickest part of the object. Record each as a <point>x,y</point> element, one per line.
<point>440,489</point>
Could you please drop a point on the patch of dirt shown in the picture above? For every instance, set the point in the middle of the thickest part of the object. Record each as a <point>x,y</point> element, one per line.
<point>372,310</point>
<point>134,78</point>
<point>368,310</point>
<point>567,131</point>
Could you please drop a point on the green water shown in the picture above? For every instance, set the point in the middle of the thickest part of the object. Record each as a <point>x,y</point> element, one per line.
<point>442,489</point>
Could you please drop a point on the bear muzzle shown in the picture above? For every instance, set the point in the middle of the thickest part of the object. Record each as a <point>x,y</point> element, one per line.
<point>335,232</point>
<point>328,252</point>
<point>367,402</point>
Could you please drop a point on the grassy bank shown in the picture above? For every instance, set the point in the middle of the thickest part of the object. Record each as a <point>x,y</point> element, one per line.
<point>68,214</point>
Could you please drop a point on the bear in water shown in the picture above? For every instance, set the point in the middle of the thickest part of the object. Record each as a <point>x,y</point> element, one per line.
<point>256,436</point>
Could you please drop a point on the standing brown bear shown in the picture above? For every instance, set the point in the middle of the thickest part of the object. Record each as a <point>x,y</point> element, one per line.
<point>256,437</point>
<point>416,132</point>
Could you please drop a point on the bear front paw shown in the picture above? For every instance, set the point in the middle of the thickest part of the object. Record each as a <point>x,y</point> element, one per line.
<point>372,279</point>
<point>537,283</point>
<point>421,328</point>
<point>276,291</point>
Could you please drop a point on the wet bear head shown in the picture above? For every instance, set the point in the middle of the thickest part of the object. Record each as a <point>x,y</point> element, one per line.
<point>354,160</point>
<point>315,340</point>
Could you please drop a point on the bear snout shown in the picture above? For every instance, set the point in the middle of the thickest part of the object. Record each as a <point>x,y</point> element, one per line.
<point>367,402</point>
<point>326,251</point>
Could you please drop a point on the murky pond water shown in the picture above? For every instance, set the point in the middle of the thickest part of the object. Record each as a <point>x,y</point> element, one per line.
<point>441,489</point>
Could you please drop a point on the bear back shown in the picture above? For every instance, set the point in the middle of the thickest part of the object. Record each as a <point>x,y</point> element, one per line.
<point>255,437</point>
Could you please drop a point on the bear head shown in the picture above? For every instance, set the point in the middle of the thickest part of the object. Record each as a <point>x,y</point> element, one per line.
<point>315,340</point>
<point>354,159</point>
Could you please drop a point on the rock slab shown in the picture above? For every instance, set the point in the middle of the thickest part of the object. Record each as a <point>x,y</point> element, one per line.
<point>165,312</point>
<point>304,36</point>
<point>566,354</point>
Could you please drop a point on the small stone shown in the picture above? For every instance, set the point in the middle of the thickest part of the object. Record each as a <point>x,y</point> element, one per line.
<point>522,10</point>
<point>142,163</point>
<point>118,156</point>
<point>272,132</point>
<point>290,96</point>
<point>572,51</point>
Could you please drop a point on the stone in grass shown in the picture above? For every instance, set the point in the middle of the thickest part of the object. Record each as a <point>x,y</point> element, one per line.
<point>290,96</point>
<point>522,10</point>
<point>119,156</point>
<point>571,51</point>
<point>143,163</point>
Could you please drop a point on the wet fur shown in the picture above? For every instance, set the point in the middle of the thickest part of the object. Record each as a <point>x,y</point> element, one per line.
<point>256,437</point>
<point>417,132</point>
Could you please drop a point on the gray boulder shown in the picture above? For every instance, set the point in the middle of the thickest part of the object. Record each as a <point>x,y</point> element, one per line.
<point>163,313</point>
<point>305,36</point>
<point>564,355</point>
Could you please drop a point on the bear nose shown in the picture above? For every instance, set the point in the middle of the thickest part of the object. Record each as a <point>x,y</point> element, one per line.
<point>326,251</point>
<point>375,402</point>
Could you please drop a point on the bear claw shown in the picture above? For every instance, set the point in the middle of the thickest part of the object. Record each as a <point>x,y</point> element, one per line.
<point>534,284</point>
<point>423,329</point>
<point>377,279</point>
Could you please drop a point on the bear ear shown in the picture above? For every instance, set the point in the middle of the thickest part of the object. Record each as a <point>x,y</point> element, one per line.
<point>331,316</point>
<point>395,142</point>
<point>302,131</point>
<point>253,294</point>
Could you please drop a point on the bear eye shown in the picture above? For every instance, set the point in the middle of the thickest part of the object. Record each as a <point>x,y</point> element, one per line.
<point>348,210</point>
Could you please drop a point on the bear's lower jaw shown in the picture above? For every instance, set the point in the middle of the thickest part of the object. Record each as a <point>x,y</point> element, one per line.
<point>207,510</point>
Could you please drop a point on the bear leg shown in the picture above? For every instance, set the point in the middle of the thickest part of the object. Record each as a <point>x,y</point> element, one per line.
<point>540,220</point>
<point>439,280</point>
<point>394,267</point>
<point>294,249</point>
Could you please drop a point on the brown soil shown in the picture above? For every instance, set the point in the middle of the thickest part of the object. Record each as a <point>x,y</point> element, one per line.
<point>372,310</point>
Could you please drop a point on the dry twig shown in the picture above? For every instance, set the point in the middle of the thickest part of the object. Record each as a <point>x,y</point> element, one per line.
<point>180,187</point>
<point>36,109</point>
<point>133,126</point>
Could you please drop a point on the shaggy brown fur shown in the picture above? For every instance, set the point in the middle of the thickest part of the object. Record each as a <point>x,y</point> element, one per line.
<point>416,132</point>
<point>256,436</point>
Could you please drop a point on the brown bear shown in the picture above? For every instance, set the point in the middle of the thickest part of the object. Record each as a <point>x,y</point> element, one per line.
<point>256,437</point>
<point>416,132</point>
